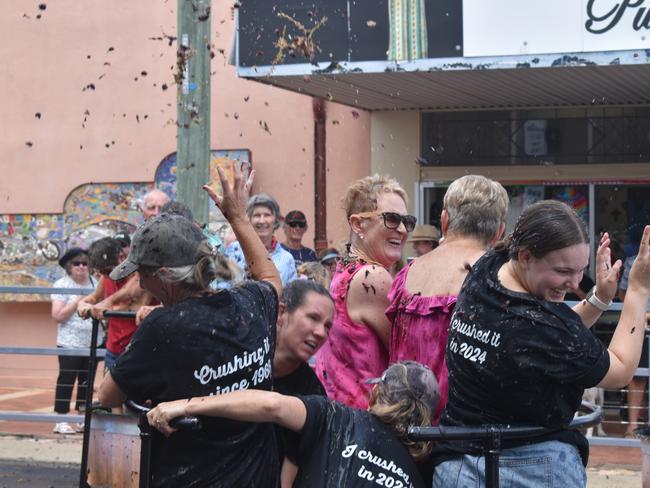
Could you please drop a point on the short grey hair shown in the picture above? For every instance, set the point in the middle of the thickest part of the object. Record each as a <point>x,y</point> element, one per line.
<point>476,207</point>
<point>153,192</point>
<point>264,200</point>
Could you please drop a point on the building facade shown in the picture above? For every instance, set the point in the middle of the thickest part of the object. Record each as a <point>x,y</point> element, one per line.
<point>548,97</point>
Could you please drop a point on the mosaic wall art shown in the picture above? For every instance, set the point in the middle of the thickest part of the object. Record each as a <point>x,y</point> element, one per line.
<point>31,244</point>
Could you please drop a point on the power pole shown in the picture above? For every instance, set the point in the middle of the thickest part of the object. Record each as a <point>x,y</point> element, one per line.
<point>320,174</point>
<point>193,107</point>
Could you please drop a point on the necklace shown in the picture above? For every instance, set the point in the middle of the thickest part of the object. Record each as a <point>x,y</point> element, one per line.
<point>355,255</point>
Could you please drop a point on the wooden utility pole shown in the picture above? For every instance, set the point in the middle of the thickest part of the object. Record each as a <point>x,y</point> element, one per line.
<point>320,174</point>
<point>193,120</point>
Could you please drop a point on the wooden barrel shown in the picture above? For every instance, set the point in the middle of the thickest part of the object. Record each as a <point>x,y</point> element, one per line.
<point>114,451</point>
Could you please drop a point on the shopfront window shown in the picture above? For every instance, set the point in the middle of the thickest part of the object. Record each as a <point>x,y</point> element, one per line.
<point>623,211</point>
<point>620,209</point>
<point>531,137</point>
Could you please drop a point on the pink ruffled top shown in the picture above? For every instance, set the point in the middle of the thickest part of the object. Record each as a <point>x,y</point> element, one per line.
<point>353,353</point>
<point>419,331</point>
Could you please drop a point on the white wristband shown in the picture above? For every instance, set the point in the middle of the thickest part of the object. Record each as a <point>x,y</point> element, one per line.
<point>597,302</point>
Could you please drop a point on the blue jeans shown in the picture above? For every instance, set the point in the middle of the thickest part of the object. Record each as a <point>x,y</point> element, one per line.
<point>109,360</point>
<point>547,464</point>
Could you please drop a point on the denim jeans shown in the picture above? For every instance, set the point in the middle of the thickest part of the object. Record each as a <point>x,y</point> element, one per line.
<point>547,464</point>
<point>109,360</point>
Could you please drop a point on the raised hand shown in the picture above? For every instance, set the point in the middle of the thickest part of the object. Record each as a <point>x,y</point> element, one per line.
<point>607,275</point>
<point>232,201</point>
<point>640,272</point>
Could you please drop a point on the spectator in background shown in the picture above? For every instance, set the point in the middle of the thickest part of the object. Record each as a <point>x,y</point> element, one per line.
<point>152,203</point>
<point>131,292</point>
<point>329,257</point>
<point>72,332</point>
<point>264,214</point>
<point>125,241</point>
<point>105,254</point>
<point>424,238</point>
<point>315,271</point>
<point>295,226</point>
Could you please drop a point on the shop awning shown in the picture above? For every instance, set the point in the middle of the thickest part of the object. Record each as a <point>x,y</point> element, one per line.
<point>612,78</point>
<point>460,54</point>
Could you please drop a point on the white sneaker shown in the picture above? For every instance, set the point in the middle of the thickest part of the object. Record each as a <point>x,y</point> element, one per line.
<point>63,428</point>
<point>79,428</point>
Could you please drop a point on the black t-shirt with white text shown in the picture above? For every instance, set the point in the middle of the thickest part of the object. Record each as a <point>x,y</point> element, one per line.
<point>514,359</point>
<point>344,447</point>
<point>206,346</point>
<point>303,381</point>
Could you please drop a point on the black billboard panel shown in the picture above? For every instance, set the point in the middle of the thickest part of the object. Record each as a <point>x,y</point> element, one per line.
<point>293,31</point>
<point>405,30</point>
<point>290,32</point>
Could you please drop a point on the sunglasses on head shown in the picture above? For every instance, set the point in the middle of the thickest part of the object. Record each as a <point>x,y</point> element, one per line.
<point>393,219</point>
<point>302,225</point>
<point>79,263</point>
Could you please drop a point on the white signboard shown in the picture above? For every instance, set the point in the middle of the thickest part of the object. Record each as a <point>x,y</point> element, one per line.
<point>535,137</point>
<point>514,27</point>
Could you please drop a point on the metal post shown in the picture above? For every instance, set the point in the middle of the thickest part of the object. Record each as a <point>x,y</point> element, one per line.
<point>145,451</point>
<point>492,450</point>
<point>193,125</point>
<point>92,367</point>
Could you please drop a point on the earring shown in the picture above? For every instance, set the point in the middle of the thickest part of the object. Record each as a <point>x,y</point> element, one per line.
<point>361,236</point>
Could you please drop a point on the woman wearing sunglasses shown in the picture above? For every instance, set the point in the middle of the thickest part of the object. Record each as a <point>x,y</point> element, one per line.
<point>357,348</point>
<point>73,332</point>
<point>424,294</point>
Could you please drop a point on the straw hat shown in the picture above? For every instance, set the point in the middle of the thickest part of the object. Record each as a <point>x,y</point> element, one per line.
<point>425,233</point>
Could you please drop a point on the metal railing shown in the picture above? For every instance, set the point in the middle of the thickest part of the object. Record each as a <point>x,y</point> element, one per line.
<point>45,351</point>
<point>490,437</point>
<point>610,408</point>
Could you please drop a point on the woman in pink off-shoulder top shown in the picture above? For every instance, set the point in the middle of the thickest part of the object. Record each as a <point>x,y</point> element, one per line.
<point>357,348</point>
<point>423,295</point>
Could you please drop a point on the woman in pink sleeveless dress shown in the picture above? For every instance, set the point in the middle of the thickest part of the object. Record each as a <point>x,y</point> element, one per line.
<point>357,349</point>
<point>423,295</point>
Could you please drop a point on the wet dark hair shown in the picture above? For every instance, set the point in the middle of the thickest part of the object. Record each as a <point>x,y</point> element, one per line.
<point>104,252</point>
<point>178,208</point>
<point>295,292</point>
<point>544,227</point>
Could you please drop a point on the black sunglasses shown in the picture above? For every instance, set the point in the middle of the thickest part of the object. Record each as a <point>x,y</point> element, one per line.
<point>302,225</point>
<point>79,263</point>
<point>393,219</point>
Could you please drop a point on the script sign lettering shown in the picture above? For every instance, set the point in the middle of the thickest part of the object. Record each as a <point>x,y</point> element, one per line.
<point>601,21</point>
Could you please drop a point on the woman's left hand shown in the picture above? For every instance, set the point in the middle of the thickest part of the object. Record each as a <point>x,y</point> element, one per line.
<point>164,413</point>
<point>607,275</point>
